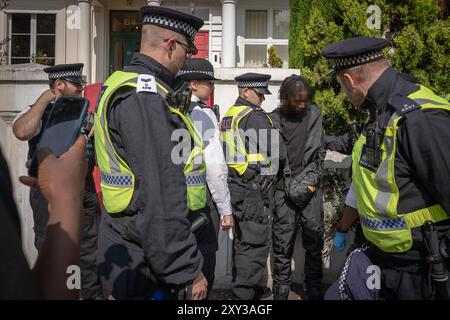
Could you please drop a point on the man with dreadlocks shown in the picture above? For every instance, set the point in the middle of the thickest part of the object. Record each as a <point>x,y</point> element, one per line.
<point>300,125</point>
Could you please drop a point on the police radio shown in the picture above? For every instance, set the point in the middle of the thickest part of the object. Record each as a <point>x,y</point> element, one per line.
<point>373,147</point>
<point>373,144</point>
<point>181,98</point>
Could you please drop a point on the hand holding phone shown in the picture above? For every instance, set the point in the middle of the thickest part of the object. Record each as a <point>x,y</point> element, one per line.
<point>64,125</point>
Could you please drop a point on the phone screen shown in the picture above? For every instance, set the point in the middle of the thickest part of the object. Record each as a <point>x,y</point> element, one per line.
<point>62,127</point>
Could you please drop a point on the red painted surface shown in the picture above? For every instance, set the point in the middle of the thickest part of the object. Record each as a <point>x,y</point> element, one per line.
<point>91,93</point>
<point>201,41</point>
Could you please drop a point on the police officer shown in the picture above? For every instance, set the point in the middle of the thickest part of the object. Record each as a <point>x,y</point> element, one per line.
<point>246,132</point>
<point>199,73</point>
<point>300,125</point>
<point>145,244</point>
<point>398,168</point>
<point>64,80</point>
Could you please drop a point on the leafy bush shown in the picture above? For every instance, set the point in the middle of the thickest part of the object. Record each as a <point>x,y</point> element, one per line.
<point>419,43</point>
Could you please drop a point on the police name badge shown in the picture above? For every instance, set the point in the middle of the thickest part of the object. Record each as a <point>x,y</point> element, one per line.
<point>146,83</point>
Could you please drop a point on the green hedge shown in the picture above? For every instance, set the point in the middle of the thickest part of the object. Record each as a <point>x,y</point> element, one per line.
<point>418,32</point>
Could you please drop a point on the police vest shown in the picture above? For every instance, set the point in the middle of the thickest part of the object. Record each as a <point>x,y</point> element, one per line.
<point>377,194</point>
<point>237,156</point>
<point>117,179</point>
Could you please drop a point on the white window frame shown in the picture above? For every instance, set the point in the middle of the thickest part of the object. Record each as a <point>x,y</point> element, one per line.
<point>33,31</point>
<point>270,41</point>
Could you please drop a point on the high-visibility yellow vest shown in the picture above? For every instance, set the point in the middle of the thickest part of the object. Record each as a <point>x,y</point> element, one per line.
<point>117,179</point>
<point>236,155</point>
<point>377,194</point>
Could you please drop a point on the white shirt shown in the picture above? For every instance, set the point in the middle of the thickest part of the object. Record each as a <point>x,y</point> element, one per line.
<point>205,122</point>
<point>350,200</point>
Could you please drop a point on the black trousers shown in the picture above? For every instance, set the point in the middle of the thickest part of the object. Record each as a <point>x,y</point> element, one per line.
<point>251,243</point>
<point>285,225</point>
<point>407,280</point>
<point>123,270</point>
<point>90,283</point>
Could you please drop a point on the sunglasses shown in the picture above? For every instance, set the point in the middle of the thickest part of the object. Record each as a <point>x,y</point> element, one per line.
<point>190,49</point>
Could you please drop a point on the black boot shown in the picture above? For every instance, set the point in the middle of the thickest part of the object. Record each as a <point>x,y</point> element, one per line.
<point>280,292</point>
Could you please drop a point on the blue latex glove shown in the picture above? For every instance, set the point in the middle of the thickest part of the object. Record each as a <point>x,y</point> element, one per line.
<point>158,295</point>
<point>340,240</point>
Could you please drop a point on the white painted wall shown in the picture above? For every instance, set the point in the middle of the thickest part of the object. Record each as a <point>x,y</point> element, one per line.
<point>20,86</point>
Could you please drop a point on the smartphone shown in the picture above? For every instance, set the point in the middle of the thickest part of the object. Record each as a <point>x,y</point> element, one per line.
<point>63,127</point>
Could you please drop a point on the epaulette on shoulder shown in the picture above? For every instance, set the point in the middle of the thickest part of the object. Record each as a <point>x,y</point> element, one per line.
<point>403,105</point>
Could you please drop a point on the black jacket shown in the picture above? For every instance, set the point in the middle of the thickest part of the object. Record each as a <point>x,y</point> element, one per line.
<point>421,167</point>
<point>141,125</point>
<point>313,151</point>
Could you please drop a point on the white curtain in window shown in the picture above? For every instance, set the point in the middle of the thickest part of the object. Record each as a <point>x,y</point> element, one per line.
<point>256,24</point>
<point>255,55</point>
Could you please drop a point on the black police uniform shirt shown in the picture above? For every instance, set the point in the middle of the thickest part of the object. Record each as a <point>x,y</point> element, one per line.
<point>257,120</point>
<point>421,168</point>
<point>17,281</point>
<point>141,125</point>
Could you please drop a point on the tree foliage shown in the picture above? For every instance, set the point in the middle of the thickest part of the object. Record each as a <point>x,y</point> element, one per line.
<point>274,59</point>
<point>419,43</point>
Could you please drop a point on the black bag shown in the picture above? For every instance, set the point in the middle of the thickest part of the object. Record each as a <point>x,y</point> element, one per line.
<point>301,188</point>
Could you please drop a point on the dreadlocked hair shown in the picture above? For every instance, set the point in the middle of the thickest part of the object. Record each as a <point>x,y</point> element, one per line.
<point>292,85</point>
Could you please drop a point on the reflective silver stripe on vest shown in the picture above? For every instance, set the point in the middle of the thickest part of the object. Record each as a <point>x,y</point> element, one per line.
<point>197,161</point>
<point>384,189</point>
<point>195,179</point>
<point>113,161</point>
<point>239,157</point>
<point>117,180</point>
<point>383,224</point>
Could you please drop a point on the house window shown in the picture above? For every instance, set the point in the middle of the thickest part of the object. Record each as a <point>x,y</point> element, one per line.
<point>32,38</point>
<point>256,24</point>
<point>264,29</point>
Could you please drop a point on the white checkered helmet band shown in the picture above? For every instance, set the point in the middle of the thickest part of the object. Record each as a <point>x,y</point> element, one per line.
<point>209,73</point>
<point>341,63</point>
<point>64,74</point>
<point>253,84</point>
<point>181,26</point>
